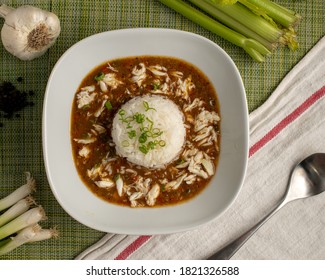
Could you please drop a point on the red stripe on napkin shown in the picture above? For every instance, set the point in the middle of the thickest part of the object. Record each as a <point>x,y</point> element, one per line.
<point>135,245</point>
<point>286,121</point>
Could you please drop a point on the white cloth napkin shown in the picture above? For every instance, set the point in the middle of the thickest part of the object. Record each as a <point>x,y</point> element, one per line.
<point>289,126</point>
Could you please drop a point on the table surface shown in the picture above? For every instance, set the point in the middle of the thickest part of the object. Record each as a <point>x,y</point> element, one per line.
<point>21,137</point>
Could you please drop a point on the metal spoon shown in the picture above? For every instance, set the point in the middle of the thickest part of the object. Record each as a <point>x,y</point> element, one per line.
<point>307,179</point>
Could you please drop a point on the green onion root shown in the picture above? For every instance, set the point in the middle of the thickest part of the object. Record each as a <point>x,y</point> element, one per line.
<point>44,234</point>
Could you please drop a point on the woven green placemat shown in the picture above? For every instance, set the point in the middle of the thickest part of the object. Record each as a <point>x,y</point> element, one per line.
<point>21,138</point>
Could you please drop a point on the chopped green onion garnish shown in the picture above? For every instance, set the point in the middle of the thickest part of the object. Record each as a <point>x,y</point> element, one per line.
<point>125,143</point>
<point>162,143</point>
<point>117,176</point>
<point>156,86</point>
<point>180,161</point>
<point>132,134</point>
<point>151,145</point>
<point>139,118</point>
<point>149,133</point>
<point>143,149</point>
<point>156,132</point>
<point>100,76</point>
<point>108,105</point>
<point>145,130</point>
<point>151,123</point>
<point>147,107</point>
<point>143,138</point>
<point>85,107</point>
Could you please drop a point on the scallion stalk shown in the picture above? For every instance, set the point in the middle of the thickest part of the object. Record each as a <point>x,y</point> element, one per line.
<point>17,209</point>
<point>255,49</point>
<point>18,225</point>
<point>24,236</point>
<point>18,194</point>
<point>4,241</point>
<point>26,219</point>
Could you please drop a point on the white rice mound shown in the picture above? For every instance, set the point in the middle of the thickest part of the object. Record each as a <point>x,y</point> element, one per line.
<point>166,117</point>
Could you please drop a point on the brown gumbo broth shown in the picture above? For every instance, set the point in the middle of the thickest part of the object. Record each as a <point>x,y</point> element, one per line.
<point>99,99</point>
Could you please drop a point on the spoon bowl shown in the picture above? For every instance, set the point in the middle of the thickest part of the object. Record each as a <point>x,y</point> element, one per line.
<point>307,179</point>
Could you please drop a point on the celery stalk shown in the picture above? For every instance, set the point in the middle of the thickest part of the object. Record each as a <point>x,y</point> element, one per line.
<point>266,28</point>
<point>255,49</point>
<point>279,14</point>
<point>252,21</point>
<point>232,18</point>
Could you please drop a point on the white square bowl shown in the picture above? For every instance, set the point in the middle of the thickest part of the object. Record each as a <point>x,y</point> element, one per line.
<point>76,199</point>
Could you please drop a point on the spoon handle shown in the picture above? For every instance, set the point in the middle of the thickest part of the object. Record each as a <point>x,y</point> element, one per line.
<point>230,249</point>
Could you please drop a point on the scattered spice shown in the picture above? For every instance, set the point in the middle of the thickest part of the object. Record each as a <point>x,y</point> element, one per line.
<point>12,100</point>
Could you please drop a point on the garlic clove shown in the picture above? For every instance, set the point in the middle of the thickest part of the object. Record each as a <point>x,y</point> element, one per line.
<point>28,32</point>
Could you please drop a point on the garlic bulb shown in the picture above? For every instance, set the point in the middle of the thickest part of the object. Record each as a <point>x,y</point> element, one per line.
<point>28,31</point>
